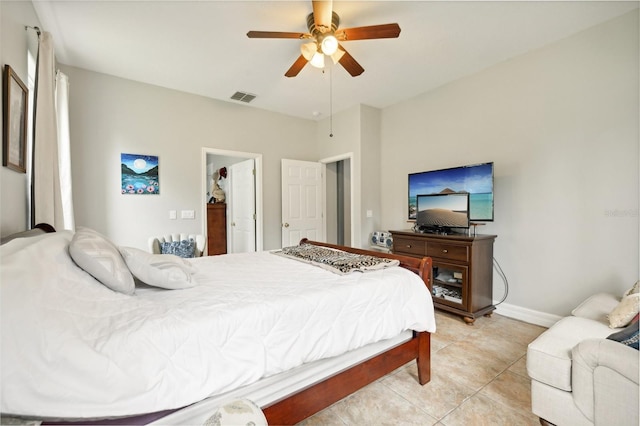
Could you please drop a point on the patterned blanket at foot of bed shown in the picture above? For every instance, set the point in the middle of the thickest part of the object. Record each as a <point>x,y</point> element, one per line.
<point>336,261</point>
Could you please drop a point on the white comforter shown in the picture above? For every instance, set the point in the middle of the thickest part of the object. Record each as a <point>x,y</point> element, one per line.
<point>73,348</point>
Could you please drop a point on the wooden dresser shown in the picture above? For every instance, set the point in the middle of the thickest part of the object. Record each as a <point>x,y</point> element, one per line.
<point>216,228</point>
<point>462,278</point>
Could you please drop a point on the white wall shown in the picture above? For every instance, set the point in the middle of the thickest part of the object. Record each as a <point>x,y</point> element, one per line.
<point>561,124</point>
<point>14,43</point>
<point>110,116</point>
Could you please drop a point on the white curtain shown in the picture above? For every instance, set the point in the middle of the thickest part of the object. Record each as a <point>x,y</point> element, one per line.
<point>64,148</point>
<point>47,193</point>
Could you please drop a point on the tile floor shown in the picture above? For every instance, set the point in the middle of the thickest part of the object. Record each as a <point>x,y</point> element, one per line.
<point>478,377</point>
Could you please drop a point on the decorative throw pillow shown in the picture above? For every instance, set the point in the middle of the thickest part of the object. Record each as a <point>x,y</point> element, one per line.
<point>629,335</point>
<point>184,248</point>
<point>625,311</point>
<point>159,270</point>
<point>633,290</point>
<point>99,257</point>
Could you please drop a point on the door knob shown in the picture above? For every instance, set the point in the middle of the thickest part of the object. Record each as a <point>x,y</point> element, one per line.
<point>286,225</point>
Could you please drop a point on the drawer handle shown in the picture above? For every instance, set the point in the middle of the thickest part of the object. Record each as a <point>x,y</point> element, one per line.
<point>445,251</point>
<point>408,245</point>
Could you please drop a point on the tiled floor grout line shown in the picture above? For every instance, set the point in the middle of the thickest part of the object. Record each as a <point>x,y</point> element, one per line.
<point>494,379</point>
<point>471,396</point>
<point>475,393</point>
<point>490,336</point>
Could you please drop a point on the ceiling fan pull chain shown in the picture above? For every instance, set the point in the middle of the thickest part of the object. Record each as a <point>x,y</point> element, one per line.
<point>331,102</point>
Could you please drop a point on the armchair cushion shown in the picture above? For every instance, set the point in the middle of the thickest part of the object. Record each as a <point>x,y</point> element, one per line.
<point>597,307</point>
<point>549,355</point>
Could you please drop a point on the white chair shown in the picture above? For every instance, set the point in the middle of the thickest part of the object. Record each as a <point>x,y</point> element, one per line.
<point>155,242</point>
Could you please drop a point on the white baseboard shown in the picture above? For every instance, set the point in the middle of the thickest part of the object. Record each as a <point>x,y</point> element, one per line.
<point>527,315</point>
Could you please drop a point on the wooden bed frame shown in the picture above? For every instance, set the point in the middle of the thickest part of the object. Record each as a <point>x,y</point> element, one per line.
<point>305,403</point>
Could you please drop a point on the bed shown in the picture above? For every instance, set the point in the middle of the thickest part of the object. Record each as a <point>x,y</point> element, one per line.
<point>286,334</point>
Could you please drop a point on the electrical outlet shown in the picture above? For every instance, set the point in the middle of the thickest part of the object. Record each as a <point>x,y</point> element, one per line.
<point>188,214</point>
<point>173,214</point>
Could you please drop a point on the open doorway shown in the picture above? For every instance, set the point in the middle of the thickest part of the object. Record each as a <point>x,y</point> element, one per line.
<point>244,217</point>
<point>338,200</point>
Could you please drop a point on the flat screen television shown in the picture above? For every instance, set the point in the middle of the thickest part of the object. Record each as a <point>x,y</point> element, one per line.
<point>443,211</point>
<point>476,179</point>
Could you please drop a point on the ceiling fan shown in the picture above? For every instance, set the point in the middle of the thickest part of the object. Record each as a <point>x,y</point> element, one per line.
<point>325,37</point>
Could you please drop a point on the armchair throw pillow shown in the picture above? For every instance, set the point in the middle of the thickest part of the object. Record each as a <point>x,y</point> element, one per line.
<point>629,335</point>
<point>625,311</point>
<point>184,248</point>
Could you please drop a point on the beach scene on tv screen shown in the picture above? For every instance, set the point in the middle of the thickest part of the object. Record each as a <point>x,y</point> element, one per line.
<point>476,180</point>
<point>449,211</point>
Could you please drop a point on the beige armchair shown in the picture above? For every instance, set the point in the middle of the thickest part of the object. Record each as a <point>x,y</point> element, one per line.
<point>155,243</point>
<point>578,376</point>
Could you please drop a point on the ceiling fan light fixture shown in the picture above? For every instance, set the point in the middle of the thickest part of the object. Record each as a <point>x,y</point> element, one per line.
<point>308,50</point>
<point>317,60</point>
<point>337,56</point>
<point>329,45</point>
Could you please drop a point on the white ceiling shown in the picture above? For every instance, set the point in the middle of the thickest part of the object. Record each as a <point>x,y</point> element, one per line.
<point>201,47</point>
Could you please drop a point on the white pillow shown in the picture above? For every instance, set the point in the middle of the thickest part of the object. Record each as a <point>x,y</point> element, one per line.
<point>98,256</point>
<point>159,270</point>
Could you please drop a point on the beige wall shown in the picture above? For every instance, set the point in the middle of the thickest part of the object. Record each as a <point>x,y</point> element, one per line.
<point>346,139</point>
<point>356,132</point>
<point>371,171</point>
<point>561,124</point>
<point>112,115</point>
<point>14,43</point>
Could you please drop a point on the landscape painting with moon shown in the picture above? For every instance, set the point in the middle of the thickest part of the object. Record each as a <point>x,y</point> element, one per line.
<point>139,174</point>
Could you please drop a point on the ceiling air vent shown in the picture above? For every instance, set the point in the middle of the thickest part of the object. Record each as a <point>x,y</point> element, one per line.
<point>243,97</point>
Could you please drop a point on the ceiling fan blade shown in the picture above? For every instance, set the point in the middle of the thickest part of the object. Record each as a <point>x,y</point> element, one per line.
<point>368,33</point>
<point>276,34</point>
<point>350,64</point>
<point>296,67</point>
<point>322,14</point>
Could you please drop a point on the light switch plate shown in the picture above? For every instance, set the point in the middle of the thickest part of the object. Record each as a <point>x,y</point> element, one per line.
<point>188,214</point>
<point>173,214</point>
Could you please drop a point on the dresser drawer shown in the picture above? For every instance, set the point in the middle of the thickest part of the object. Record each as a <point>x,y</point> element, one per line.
<point>448,251</point>
<point>408,246</point>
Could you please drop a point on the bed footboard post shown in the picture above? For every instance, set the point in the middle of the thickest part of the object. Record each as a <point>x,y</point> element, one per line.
<point>424,357</point>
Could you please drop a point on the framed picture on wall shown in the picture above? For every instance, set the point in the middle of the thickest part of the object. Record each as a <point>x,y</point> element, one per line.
<point>139,174</point>
<point>15,106</point>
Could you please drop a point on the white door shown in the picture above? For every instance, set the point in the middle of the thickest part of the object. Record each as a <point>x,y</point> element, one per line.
<point>242,206</point>
<point>302,201</point>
